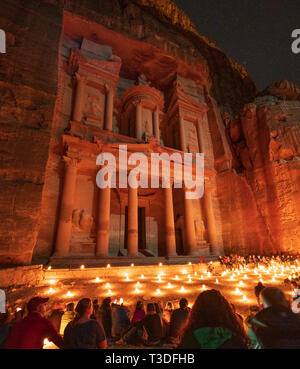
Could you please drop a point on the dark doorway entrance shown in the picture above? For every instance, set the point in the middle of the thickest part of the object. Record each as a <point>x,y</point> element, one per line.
<point>141,227</point>
<point>179,241</point>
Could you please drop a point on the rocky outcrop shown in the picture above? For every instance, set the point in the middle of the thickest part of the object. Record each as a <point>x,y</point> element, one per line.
<point>265,141</point>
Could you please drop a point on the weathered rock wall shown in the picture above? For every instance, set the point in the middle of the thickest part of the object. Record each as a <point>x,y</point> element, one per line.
<point>28,83</point>
<point>265,140</point>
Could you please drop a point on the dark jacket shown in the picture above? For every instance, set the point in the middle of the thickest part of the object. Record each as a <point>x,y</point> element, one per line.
<point>276,327</point>
<point>178,319</point>
<point>211,338</point>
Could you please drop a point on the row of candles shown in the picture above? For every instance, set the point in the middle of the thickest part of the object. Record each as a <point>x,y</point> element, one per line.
<point>277,271</point>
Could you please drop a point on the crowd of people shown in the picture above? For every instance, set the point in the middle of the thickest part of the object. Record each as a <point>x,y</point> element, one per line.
<point>211,323</point>
<point>235,261</point>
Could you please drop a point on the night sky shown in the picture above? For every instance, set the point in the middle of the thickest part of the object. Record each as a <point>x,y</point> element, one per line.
<point>256,33</point>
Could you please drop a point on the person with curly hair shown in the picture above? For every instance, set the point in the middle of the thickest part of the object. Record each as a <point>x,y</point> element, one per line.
<point>213,324</point>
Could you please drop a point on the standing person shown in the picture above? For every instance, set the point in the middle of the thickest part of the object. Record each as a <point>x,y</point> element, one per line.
<point>212,324</point>
<point>31,331</point>
<point>67,317</point>
<point>178,319</point>
<point>257,290</point>
<point>83,332</point>
<point>276,326</point>
<point>106,316</point>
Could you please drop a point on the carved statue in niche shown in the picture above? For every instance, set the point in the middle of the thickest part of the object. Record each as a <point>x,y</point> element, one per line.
<point>142,80</point>
<point>92,106</point>
<point>148,133</point>
<point>200,229</point>
<point>82,221</point>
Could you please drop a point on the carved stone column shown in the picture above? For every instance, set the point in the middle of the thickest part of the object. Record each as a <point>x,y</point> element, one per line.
<point>64,229</point>
<point>138,121</point>
<point>200,135</point>
<point>79,98</point>
<point>169,223</point>
<point>103,222</point>
<point>156,124</point>
<point>190,227</point>
<point>109,106</point>
<point>182,135</point>
<point>210,221</point>
<point>132,232</point>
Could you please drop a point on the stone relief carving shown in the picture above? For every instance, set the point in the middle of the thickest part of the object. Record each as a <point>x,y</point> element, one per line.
<point>92,106</point>
<point>200,229</point>
<point>82,220</point>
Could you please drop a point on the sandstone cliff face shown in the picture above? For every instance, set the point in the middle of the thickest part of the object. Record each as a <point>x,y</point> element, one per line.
<point>265,143</point>
<point>28,78</point>
<point>249,214</point>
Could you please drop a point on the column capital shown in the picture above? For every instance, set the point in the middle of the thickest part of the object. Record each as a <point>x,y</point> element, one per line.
<point>71,161</point>
<point>109,88</point>
<point>137,101</point>
<point>80,78</point>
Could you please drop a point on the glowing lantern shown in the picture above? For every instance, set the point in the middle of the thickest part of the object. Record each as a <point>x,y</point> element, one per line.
<point>82,267</point>
<point>108,266</point>
<point>132,265</point>
<point>49,267</point>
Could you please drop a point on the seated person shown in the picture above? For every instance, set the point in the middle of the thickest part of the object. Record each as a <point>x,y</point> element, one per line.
<point>178,319</point>
<point>152,324</point>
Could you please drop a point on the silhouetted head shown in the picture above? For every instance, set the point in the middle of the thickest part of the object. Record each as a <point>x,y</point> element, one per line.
<point>272,296</point>
<point>183,303</point>
<point>139,305</point>
<point>84,308</point>
<point>70,306</point>
<point>151,308</point>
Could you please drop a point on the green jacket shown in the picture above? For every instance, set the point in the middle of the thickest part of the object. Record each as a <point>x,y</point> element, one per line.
<point>206,338</point>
